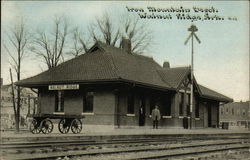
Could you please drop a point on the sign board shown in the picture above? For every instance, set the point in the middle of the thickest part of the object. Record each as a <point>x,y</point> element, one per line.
<point>64,87</point>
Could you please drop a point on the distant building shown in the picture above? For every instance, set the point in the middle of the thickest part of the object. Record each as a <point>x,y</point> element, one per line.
<point>236,114</point>
<point>28,102</point>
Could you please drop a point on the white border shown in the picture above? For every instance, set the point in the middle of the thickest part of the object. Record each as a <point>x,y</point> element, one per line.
<point>130,115</point>
<point>88,113</point>
<point>166,116</point>
<point>59,113</point>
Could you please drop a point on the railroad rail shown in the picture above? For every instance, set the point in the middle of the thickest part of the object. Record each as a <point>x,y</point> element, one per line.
<point>161,146</point>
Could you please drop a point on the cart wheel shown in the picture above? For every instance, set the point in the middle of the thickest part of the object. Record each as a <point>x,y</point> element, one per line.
<point>63,126</point>
<point>76,126</point>
<point>35,127</point>
<point>46,126</point>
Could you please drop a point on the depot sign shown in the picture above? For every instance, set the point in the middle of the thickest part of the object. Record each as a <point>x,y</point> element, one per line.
<point>64,87</point>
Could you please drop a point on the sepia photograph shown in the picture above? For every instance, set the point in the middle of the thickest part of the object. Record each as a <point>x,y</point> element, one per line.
<point>125,80</point>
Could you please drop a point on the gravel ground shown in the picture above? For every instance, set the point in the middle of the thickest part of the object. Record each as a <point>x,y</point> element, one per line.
<point>233,155</point>
<point>225,155</point>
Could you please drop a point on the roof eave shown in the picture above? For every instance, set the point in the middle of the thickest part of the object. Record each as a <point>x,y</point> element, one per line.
<point>37,85</point>
<point>226,100</point>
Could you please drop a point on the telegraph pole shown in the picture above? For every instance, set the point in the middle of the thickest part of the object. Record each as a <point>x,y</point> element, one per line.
<point>192,29</point>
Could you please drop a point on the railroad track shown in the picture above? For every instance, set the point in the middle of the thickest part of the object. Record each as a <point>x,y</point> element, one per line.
<point>51,143</point>
<point>56,137</point>
<point>55,149</point>
<point>159,146</point>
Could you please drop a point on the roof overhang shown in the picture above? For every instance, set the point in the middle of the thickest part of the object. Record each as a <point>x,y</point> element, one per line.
<point>103,81</point>
<point>217,99</point>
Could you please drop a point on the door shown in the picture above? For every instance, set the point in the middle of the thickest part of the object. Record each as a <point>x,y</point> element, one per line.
<point>142,111</point>
<point>209,116</point>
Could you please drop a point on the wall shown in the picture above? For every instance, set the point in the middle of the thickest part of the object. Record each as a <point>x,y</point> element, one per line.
<point>124,119</point>
<point>103,107</point>
<point>237,114</point>
<point>7,111</point>
<point>103,111</point>
<point>132,120</point>
<point>200,122</point>
<point>236,111</point>
<point>73,102</point>
<point>110,108</point>
<point>46,101</point>
<point>204,106</point>
<point>172,121</point>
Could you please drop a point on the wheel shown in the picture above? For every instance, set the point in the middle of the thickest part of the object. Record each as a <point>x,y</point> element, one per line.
<point>76,126</point>
<point>46,126</point>
<point>63,126</point>
<point>35,127</point>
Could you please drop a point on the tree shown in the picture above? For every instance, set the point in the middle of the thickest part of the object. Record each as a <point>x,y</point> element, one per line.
<point>137,33</point>
<point>80,43</point>
<point>16,48</point>
<point>51,46</point>
<point>105,30</point>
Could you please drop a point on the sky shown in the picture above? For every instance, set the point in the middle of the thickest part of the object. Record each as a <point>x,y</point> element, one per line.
<point>221,60</point>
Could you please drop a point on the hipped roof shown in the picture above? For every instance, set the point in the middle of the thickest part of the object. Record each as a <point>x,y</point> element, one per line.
<point>104,63</point>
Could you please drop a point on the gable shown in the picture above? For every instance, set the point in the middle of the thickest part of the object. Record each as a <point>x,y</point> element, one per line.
<point>173,76</point>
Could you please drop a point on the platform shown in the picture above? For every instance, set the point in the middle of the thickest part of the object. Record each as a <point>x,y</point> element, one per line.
<point>137,131</point>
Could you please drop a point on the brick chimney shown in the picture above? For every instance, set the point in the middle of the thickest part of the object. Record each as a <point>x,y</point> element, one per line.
<point>166,64</point>
<point>126,45</point>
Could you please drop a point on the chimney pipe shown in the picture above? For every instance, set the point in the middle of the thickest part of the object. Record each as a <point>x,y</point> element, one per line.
<point>126,45</point>
<point>166,64</point>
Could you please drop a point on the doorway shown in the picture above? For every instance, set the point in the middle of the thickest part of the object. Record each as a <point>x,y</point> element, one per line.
<point>209,116</point>
<point>142,111</point>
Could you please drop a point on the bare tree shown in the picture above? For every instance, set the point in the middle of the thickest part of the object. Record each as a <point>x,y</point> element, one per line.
<point>51,46</point>
<point>80,43</point>
<point>16,48</point>
<point>139,35</point>
<point>105,30</point>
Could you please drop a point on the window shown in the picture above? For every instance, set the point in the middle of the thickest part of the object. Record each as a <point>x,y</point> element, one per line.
<point>238,111</point>
<point>59,101</point>
<point>142,102</point>
<point>130,102</point>
<point>221,111</point>
<point>166,108</point>
<point>181,104</point>
<point>88,102</point>
<point>232,111</point>
<point>238,123</point>
<point>243,112</point>
<point>197,108</point>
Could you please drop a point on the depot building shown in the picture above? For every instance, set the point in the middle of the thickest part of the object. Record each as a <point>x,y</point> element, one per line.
<point>115,88</point>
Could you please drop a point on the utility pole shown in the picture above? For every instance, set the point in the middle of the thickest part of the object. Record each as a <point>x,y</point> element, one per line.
<point>192,29</point>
